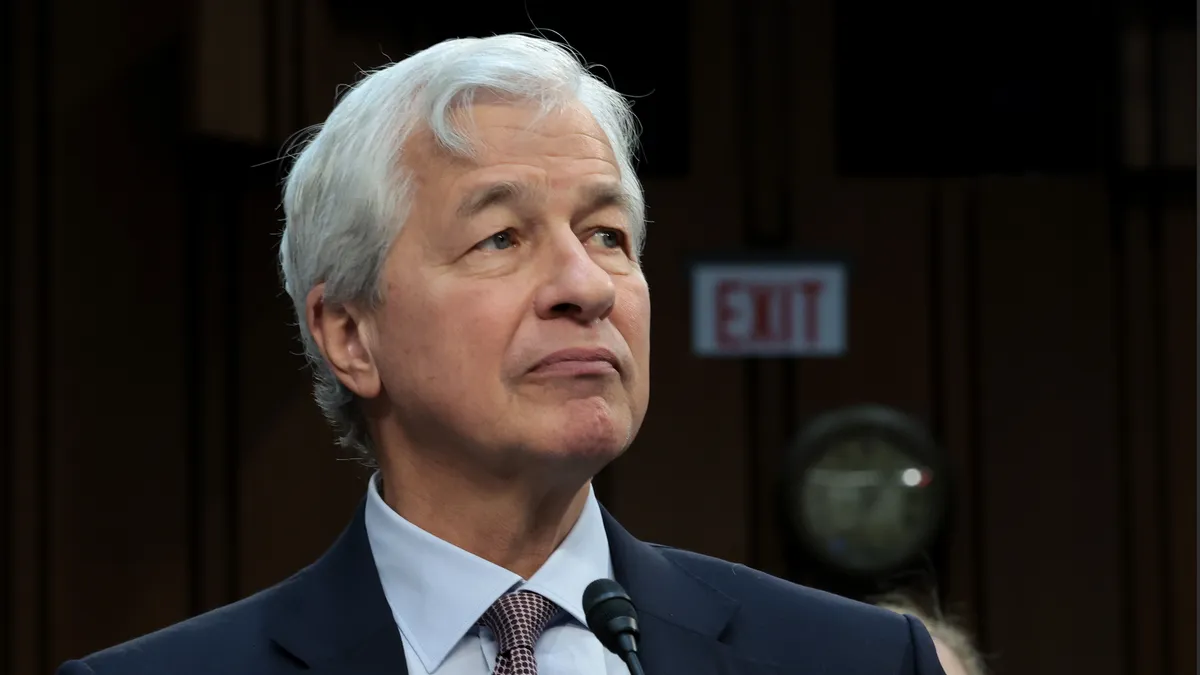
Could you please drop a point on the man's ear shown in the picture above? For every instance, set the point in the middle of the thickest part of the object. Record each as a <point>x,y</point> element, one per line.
<point>341,334</point>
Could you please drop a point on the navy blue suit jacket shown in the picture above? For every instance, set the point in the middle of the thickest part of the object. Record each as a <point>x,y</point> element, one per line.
<point>698,616</point>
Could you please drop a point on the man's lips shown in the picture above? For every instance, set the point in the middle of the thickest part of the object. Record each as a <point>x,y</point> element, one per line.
<point>578,362</point>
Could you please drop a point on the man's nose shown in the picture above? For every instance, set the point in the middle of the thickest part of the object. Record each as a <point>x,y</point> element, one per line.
<point>575,287</point>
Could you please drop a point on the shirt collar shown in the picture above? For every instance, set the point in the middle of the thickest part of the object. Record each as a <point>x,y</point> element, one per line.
<point>438,591</point>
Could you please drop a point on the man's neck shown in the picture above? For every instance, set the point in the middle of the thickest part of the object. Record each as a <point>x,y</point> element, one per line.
<point>513,525</point>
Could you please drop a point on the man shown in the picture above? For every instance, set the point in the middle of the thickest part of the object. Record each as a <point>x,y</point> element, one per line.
<point>462,249</point>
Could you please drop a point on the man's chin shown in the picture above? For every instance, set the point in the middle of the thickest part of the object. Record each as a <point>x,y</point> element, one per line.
<point>569,435</point>
<point>597,434</point>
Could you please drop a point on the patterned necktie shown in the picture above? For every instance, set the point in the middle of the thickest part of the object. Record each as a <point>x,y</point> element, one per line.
<point>517,620</point>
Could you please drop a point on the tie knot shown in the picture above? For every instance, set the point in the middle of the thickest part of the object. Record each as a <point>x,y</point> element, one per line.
<point>518,619</point>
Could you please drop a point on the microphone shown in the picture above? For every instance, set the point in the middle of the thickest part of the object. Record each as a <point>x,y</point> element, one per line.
<point>612,618</point>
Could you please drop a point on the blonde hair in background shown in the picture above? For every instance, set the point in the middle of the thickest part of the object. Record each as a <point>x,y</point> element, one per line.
<point>944,630</point>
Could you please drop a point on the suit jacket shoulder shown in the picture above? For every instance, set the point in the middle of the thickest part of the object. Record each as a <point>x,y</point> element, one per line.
<point>222,640</point>
<point>808,629</point>
<point>330,617</point>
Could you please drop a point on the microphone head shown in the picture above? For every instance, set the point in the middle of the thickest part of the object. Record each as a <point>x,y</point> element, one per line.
<point>611,616</point>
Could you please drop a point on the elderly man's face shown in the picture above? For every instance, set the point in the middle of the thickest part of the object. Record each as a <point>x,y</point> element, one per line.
<point>516,322</point>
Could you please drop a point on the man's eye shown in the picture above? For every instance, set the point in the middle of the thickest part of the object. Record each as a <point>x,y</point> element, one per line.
<point>610,238</point>
<point>498,241</point>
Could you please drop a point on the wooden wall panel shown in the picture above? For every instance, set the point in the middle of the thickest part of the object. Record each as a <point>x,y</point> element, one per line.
<point>1144,463</point>
<point>294,496</point>
<point>230,70</point>
<point>114,340</point>
<point>765,113</point>
<point>683,483</point>
<point>113,347</point>
<point>1177,111</point>
<point>210,374</point>
<point>1048,452</point>
<point>1157,287</point>
<point>1179,402</point>
<point>882,229</point>
<point>953,350</point>
<point>25,460</point>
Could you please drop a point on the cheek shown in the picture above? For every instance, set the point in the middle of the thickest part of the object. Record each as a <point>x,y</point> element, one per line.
<point>402,339</point>
<point>635,319</point>
<point>468,328</point>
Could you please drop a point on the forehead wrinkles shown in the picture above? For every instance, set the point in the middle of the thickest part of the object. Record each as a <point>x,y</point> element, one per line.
<point>540,146</point>
<point>520,129</point>
<point>424,158</point>
<point>552,155</point>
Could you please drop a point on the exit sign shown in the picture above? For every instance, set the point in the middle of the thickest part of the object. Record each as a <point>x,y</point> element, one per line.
<point>776,308</point>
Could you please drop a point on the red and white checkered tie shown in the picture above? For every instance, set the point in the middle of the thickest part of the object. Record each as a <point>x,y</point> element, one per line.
<point>517,620</point>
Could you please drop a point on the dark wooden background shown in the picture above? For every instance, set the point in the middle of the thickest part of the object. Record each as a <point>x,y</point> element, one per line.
<point>162,455</point>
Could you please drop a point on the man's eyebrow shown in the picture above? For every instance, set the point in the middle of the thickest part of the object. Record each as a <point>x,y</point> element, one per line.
<point>494,194</point>
<point>595,197</point>
<point>600,196</point>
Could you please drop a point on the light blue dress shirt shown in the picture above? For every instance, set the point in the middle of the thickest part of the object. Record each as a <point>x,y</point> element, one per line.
<point>438,591</point>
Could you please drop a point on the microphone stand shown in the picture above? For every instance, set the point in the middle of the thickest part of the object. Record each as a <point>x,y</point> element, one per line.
<point>635,664</point>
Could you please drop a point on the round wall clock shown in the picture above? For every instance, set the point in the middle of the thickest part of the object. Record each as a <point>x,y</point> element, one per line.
<point>865,490</point>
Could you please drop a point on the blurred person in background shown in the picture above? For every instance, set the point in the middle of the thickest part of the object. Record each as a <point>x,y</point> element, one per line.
<point>954,647</point>
<point>462,247</point>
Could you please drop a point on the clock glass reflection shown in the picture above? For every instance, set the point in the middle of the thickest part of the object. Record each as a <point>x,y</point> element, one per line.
<point>868,505</point>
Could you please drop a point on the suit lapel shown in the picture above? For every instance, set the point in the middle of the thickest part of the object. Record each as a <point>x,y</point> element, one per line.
<point>682,619</point>
<point>334,618</point>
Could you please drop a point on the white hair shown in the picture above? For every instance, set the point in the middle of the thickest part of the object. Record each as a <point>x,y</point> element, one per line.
<point>348,192</point>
